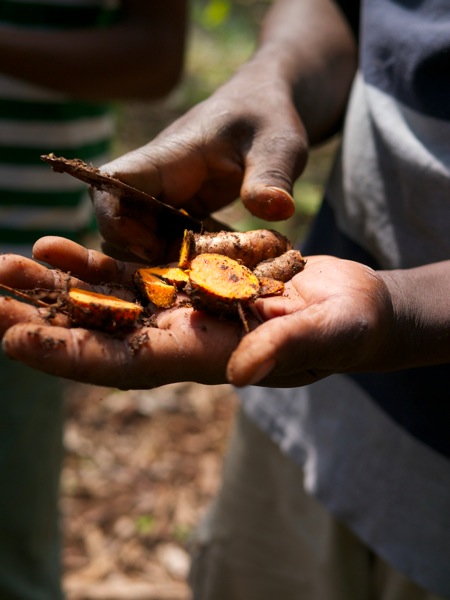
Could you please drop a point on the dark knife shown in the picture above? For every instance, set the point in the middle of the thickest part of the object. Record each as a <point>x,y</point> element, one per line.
<point>170,222</point>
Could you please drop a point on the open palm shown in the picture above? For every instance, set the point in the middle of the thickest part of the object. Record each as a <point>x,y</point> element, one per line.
<point>332,317</point>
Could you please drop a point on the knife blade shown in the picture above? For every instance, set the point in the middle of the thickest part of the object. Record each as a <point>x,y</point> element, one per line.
<point>170,222</point>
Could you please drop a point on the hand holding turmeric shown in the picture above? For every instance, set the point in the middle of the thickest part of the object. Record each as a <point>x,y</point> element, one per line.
<point>310,331</point>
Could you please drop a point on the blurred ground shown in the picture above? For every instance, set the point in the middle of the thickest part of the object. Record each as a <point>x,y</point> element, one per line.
<point>140,469</point>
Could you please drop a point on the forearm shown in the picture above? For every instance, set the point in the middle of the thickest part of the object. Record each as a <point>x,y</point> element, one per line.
<point>421,303</point>
<point>139,57</point>
<point>308,46</point>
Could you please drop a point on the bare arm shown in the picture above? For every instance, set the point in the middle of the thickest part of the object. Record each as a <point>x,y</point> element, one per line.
<point>309,46</point>
<point>139,57</point>
<point>251,137</point>
<point>421,302</point>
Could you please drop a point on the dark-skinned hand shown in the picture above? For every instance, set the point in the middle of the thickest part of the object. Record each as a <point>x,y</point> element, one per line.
<point>335,316</point>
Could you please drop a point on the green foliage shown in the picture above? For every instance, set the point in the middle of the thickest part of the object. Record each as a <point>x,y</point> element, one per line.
<point>223,36</point>
<point>212,14</point>
<point>145,524</point>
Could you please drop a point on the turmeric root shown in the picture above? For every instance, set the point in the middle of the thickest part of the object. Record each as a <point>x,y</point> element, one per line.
<point>220,284</point>
<point>173,275</point>
<point>98,311</point>
<point>153,288</point>
<point>249,247</point>
<point>247,265</point>
<point>283,267</point>
<point>270,287</point>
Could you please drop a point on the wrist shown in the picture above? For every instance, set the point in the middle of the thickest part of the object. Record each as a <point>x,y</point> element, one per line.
<point>421,315</point>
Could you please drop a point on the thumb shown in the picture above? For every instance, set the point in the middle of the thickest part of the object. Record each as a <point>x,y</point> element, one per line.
<point>281,352</point>
<point>259,352</point>
<point>273,163</point>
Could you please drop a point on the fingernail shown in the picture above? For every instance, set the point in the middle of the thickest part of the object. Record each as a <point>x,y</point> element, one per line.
<point>270,203</point>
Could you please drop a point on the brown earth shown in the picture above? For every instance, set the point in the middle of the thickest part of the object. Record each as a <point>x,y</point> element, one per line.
<point>139,471</point>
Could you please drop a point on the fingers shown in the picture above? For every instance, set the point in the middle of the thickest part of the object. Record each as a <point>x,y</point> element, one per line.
<point>205,159</point>
<point>89,265</point>
<point>268,202</point>
<point>78,354</point>
<point>23,273</point>
<point>13,312</point>
<point>129,229</point>
<point>186,346</point>
<point>136,168</point>
<point>279,353</point>
<point>255,357</point>
<point>171,168</point>
<point>272,165</point>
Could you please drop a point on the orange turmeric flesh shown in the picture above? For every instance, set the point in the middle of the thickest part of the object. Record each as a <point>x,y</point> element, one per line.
<point>219,283</point>
<point>99,311</point>
<point>173,275</point>
<point>153,288</point>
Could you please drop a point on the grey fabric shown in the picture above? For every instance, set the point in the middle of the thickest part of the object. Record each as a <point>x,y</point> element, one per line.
<point>390,193</point>
<point>264,538</point>
<point>391,490</point>
<point>390,188</point>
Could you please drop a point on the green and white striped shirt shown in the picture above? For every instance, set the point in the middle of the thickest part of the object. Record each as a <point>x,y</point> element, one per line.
<point>33,121</point>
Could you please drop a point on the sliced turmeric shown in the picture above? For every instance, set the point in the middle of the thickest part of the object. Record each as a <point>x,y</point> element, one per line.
<point>220,284</point>
<point>245,266</point>
<point>153,288</point>
<point>99,311</point>
<point>173,275</point>
<point>249,247</point>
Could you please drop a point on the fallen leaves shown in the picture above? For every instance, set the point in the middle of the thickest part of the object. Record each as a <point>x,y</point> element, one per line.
<point>140,469</point>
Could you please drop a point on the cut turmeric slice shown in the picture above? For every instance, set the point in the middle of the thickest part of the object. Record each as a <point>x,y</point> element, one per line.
<point>173,275</point>
<point>99,311</point>
<point>153,288</point>
<point>220,284</point>
<point>283,267</point>
<point>249,247</point>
